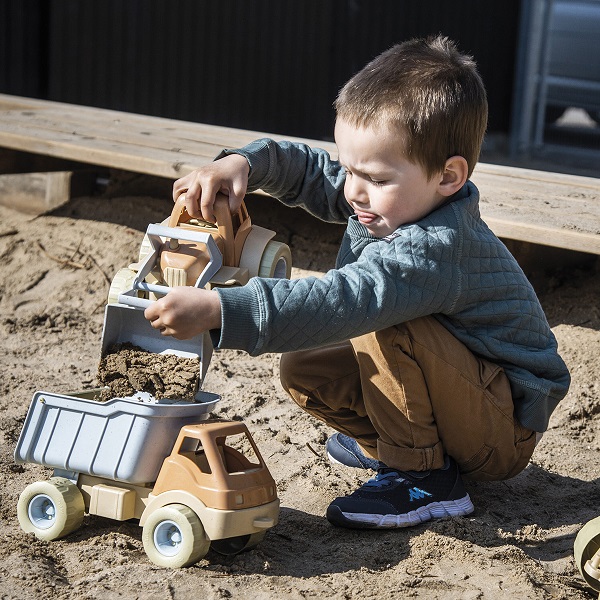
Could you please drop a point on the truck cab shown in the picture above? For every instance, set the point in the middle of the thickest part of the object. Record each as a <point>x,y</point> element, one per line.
<point>219,463</point>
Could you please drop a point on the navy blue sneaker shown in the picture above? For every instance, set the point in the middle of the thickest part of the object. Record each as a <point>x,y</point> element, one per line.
<point>400,499</point>
<point>344,450</point>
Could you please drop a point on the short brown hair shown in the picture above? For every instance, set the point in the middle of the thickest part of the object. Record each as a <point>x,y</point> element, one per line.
<point>430,91</point>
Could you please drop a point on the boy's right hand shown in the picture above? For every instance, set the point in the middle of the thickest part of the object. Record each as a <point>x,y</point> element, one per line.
<point>228,175</point>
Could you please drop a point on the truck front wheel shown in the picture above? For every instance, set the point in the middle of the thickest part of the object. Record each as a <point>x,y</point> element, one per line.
<point>173,537</point>
<point>51,509</point>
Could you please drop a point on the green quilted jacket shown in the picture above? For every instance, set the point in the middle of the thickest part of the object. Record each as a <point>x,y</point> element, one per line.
<point>449,265</point>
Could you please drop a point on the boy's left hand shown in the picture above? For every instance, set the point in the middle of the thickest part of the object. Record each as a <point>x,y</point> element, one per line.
<point>185,312</point>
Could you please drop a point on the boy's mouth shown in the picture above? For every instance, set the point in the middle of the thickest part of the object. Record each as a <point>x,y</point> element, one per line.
<point>364,217</point>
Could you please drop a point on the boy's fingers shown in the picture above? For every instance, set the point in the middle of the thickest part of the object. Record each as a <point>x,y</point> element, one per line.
<point>182,185</point>
<point>152,314</point>
<point>237,194</point>
<point>157,323</point>
<point>207,200</point>
<point>192,199</point>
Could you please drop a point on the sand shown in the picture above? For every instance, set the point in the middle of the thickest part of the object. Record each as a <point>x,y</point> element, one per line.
<point>126,369</point>
<point>54,274</point>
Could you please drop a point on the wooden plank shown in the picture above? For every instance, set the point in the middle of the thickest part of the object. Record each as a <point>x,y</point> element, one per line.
<point>118,125</point>
<point>80,113</point>
<point>37,193</point>
<point>151,145</point>
<point>545,236</point>
<point>532,176</point>
<point>540,207</point>
<point>552,209</point>
<point>106,153</point>
<point>150,136</point>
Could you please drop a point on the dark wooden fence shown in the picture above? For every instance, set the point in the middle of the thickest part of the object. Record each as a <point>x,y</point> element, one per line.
<point>270,65</point>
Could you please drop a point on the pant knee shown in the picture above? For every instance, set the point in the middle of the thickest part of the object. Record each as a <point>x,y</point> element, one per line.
<point>289,379</point>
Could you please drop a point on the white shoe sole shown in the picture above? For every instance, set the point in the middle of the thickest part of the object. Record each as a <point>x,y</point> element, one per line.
<point>435,510</point>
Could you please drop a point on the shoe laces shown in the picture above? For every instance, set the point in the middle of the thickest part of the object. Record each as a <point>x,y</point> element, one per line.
<point>385,477</point>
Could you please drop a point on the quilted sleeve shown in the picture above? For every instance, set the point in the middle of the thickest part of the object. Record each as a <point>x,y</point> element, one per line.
<point>388,284</point>
<point>297,175</point>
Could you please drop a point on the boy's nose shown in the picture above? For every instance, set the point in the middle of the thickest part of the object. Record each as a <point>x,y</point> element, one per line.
<point>354,191</point>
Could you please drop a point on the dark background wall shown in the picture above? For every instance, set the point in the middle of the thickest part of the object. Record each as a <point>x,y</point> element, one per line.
<point>268,65</point>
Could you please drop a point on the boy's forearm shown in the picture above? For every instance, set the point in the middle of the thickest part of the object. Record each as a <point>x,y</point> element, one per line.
<point>240,316</point>
<point>213,316</point>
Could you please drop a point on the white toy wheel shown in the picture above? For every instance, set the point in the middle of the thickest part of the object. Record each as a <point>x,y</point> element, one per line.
<point>587,553</point>
<point>145,248</point>
<point>173,537</point>
<point>276,261</point>
<point>241,543</point>
<point>50,509</point>
<point>121,282</point>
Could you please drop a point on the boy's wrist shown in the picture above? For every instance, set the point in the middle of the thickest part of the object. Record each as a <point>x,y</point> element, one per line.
<point>214,317</point>
<point>257,157</point>
<point>236,156</point>
<point>240,318</point>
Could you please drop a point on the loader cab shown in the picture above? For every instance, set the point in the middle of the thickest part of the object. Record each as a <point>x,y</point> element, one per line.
<point>182,262</point>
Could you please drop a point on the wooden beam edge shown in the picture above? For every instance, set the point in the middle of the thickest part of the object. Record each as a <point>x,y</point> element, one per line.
<point>546,236</point>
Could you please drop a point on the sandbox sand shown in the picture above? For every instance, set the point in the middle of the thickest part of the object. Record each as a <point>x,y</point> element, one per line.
<point>54,273</point>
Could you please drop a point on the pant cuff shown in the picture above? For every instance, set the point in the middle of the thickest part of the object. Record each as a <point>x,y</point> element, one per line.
<point>411,459</point>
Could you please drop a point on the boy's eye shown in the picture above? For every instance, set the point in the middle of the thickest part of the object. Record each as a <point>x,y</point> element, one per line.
<point>376,181</point>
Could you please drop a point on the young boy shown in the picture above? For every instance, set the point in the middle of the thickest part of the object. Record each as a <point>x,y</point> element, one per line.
<point>426,347</point>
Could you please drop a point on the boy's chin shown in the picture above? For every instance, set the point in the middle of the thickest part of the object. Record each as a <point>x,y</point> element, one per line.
<point>380,231</point>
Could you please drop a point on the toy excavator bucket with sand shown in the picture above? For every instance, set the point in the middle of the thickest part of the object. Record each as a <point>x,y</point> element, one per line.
<point>124,322</point>
<point>185,251</point>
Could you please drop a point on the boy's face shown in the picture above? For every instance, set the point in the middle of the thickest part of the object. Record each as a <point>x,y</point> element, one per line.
<point>383,187</point>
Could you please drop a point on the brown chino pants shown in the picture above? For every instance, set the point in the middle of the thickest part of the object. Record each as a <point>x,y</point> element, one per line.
<point>410,393</point>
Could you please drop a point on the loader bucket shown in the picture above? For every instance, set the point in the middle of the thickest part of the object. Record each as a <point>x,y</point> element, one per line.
<point>127,324</point>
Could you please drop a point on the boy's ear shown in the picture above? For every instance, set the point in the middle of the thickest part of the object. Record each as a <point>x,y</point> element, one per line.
<point>454,176</point>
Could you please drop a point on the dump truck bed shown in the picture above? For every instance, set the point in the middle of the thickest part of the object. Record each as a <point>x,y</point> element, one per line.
<point>122,439</point>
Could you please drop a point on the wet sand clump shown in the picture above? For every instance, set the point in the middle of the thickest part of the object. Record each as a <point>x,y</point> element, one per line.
<point>127,369</point>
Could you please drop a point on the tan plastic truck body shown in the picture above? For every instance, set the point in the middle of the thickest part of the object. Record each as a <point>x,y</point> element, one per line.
<point>230,495</point>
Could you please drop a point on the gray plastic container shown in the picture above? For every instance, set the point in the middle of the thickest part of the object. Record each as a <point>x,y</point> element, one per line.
<point>122,439</point>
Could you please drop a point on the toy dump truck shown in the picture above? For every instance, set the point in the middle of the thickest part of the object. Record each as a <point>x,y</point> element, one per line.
<point>191,482</point>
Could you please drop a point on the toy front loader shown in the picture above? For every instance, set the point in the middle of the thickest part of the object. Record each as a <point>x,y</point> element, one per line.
<point>124,320</point>
<point>186,251</point>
